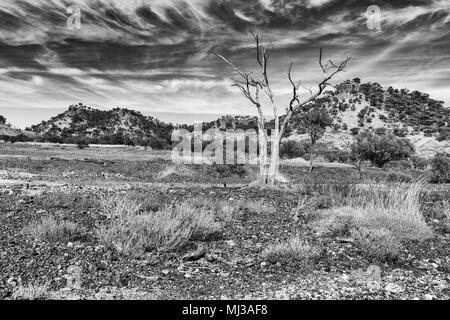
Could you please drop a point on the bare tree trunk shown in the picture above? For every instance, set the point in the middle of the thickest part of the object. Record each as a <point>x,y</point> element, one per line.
<point>262,139</point>
<point>250,87</point>
<point>275,157</point>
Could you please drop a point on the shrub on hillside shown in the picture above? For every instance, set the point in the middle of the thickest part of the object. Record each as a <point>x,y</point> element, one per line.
<point>440,168</point>
<point>419,163</point>
<point>399,165</point>
<point>293,149</point>
<point>380,149</point>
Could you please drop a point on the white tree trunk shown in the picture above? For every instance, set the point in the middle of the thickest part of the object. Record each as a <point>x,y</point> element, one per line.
<point>262,139</point>
<point>275,147</point>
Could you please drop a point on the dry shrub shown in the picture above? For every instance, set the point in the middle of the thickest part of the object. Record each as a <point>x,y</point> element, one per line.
<point>294,251</point>
<point>118,206</point>
<point>165,230</point>
<point>49,229</point>
<point>31,292</point>
<point>71,199</point>
<point>377,244</point>
<point>333,226</point>
<point>393,207</point>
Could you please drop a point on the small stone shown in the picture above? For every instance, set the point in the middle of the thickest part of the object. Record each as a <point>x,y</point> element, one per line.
<point>196,255</point>
<point>166,272</point>
<point>428,296</point>
<point>263,264</point>
<point>394,288</point>
<point>230,243</point>
<point>70,244</point>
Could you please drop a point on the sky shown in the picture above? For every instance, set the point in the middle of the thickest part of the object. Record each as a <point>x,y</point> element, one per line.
<point>157,56</point>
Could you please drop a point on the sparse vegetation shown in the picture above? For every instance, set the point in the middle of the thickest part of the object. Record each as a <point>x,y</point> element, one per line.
<point>49,229</point>
<point>395,208</point>
<point>378,245</point>
<point>380,149</point>
<point>440,168</point>
<point>134,233</point>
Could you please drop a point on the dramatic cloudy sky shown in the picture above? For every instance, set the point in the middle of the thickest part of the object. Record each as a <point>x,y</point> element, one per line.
<point>156,55</point>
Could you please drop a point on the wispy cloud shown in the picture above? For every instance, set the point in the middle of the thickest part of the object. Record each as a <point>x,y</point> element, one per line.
<point>156,55</point>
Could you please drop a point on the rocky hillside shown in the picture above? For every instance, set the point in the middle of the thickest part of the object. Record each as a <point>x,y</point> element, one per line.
<point>116,126</point>
<point>411,114</point>
<point>354,106</point>
<point>6,131</point>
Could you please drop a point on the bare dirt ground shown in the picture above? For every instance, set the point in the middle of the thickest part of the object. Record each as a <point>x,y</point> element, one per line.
<point>65,183</point>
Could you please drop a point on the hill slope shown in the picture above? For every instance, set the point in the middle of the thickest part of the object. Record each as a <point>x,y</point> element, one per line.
<point>116,126</point>
<point>354,106</point>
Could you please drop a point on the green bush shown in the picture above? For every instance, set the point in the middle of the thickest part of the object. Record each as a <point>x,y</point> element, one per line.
<point>399,164</point>
<point>440,168</point>
<point>293,149</point>
<point>380,149</point>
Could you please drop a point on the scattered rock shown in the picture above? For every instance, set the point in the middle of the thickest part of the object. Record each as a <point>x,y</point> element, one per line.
<point>73,277</point>
<point>394,288</point>
<point>230,243</point>
<point>196,255</point>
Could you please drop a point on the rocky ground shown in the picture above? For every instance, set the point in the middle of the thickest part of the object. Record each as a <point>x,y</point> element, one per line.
<point>229,267</point>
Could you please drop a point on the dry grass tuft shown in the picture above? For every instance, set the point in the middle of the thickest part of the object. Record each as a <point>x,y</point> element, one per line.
<point>394,207</point>
<point>118,206</point>
<point>168,229</point>
<point>377,244</point>
<point>49,229</point>
<point>294,251</point>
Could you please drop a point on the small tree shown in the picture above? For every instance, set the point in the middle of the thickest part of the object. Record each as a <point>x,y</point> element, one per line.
<point>315,121</point>
<point>2,120</point>
<point>380,149</point>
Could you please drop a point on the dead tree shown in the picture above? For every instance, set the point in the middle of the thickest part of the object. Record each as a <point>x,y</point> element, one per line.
<point>252,87</point>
